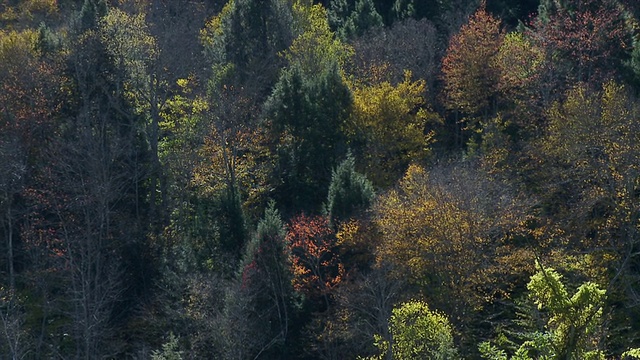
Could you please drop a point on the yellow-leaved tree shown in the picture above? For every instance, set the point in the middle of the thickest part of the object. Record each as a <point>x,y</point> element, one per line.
<point>591,182</point>
<point>461,238</point>
<point>389,127</point>
<point>316,47</point>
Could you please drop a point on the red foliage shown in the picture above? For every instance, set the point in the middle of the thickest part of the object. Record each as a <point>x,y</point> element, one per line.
<point>469,80</point>
<point>592,36</point>
<point>316,267</point>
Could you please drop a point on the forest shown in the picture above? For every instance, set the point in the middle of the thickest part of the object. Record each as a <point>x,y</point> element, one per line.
<point>336,179</point>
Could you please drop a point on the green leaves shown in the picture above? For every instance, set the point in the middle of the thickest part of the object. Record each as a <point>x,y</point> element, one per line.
<point>306,114</point>
<point>349,191</point>
<point>417,332</point>
<point>316,47</point>
<point>572,325</point>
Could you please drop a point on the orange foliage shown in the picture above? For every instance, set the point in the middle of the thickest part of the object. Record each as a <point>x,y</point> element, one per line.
<point>316,267</point>
<point>469,80</point>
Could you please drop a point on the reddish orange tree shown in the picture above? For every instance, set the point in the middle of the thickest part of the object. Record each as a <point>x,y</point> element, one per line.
<point>469,80</point>
<point>315,265</point>
<point>590,36</point>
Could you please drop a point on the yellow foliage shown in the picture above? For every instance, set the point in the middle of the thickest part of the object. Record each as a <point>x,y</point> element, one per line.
<point>425,232</point>
<point>17,44</point>
<point>236,156</point>
<point>592,140</point>
<point>346,235</point>
<point>27,11</point>
<point>317,46</point>
<point>454,242</point>
<point>390,122</point>
<point>357,241</point>
<point>213,27</point>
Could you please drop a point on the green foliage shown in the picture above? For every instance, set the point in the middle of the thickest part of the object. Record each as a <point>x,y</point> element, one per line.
<point>417,333</point>
<point>231,221</point>
<point>243,42</point>
<point>316,47</point>
<point>573,322</point>
<point>90,14</point>
<point>491,352</point>
<point>169,350</point>
<point>403,9</point>
<point>307,114</point>
<point>364,17</point>
<point>267,250</point>
<point>352,19</point>
<point>548,8</point>
<point>338,12</point>
<point>349,191</point>
<point>266,284</point>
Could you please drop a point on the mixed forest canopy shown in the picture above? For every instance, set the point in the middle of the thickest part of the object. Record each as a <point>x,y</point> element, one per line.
<point>342,179</point>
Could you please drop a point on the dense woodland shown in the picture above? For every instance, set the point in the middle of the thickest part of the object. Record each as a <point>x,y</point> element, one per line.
<point>349,179</point>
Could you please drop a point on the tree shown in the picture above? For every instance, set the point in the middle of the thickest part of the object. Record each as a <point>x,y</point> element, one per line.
<point>592,177</point>
<point>407,45</point>
<point>266,279</point>
<point>90,14</point>
<point>573,322</point>
<point>587,39</point>
<point>21,15</point>
<point>518,62</point>
<point>169,350</point>
<point>388,127</point>
<point>352,18</point>
<point>417,332</point>
<point>315,265</point>
<point>469,84</point>
<point>134,51</point>
<point>363,18</point>
<point>458,235</point>
<point>362,308</point>
<point>30,86</point>
<point>243,42</point>
<point>349,192</point>
<point>306,114</point>
<point>78,227</point>
<point>316,47</point>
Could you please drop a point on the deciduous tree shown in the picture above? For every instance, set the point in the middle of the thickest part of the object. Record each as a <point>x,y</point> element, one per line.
<point>389,127</point>
<point>315,265</point>
<point>417,332</point>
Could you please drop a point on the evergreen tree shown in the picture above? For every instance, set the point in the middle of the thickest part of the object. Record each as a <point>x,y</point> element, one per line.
<point>349,191</point>
<point>307,114</point>
<point>90,14</point>
<point>352,19</point>
<point>231,222</point>
<point>266,284</point>
<point>243,43</point>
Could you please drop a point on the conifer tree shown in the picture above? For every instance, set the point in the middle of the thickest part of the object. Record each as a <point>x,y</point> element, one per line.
<point>349,191</point>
